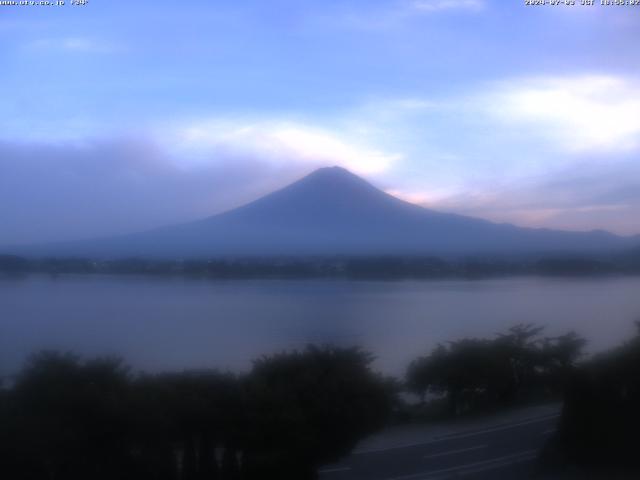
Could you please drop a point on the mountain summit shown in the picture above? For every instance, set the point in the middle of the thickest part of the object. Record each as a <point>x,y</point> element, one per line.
<point>332,212</point>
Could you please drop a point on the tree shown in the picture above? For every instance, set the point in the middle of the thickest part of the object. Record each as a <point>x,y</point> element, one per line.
<point>190,416</point>
<point>66,418</point>
<point>475,373</point>
<point>600,419</point>
<point>67,421</point>
<point>309,408</point>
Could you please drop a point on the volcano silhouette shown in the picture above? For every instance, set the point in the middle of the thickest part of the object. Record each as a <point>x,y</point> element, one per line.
<point>334,212</point>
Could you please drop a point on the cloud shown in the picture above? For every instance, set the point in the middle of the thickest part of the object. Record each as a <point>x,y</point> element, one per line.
<point>578,113</point>
<point>429,6</point>
<point>396,15</point>
<point>417,197</point>
<point>73,45</point>
<point>277,142</point>
<point>87,187</point>
<point>67,191</point>
<point>581,197</point>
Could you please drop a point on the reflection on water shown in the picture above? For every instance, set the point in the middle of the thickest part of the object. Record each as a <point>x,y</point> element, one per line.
<point>175,323</point>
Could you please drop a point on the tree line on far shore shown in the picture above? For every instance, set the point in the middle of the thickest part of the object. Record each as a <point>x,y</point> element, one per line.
<point>354,267</point>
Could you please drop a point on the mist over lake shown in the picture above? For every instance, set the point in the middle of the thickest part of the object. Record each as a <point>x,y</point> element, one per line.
<point>166,323</point>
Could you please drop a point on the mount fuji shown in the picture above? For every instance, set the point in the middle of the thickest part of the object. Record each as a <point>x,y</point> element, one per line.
<point>334,212</point>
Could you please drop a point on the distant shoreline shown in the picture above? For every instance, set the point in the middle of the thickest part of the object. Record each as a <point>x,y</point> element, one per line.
<point>348,268</point>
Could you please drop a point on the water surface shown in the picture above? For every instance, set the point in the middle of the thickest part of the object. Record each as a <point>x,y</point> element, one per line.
<point>159,323</point>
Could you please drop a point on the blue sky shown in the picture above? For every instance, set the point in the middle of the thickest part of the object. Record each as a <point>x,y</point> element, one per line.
<point>121,116</point>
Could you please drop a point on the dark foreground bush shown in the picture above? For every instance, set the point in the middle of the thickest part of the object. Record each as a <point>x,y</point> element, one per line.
<point>65,419</point>
<point>600,421</point>
<point>311,408</point>
<point>477,374</point>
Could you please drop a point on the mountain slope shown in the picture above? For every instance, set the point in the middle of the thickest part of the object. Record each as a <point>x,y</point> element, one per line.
<point>332,211</point>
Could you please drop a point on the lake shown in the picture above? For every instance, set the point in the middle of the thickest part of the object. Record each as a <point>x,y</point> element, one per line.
<point>168,323</point>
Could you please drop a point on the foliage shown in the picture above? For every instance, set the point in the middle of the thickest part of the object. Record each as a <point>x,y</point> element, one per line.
<point>71,419</point>
<point>354,266</point>
<point>479,373</point>
<point>311,407</point>
<point>600,419</point>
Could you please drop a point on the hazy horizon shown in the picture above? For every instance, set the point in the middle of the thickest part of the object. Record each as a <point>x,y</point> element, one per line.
<point>335,212</point>
<point>284,188</point>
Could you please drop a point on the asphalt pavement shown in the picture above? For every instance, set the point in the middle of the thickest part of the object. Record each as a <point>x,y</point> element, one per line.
<point>496,448</point>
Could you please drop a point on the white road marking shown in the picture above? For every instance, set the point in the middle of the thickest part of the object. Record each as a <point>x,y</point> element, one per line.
<point>474,467</point>
<point>453,452</point>
<point>335,470</point>
<point>458,436</point>
<point>524,457</point>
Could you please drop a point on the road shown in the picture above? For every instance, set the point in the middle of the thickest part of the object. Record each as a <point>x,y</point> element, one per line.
<point>500,448</point>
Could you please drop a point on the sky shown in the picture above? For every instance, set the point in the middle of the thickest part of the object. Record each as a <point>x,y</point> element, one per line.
<point>121,116</point>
